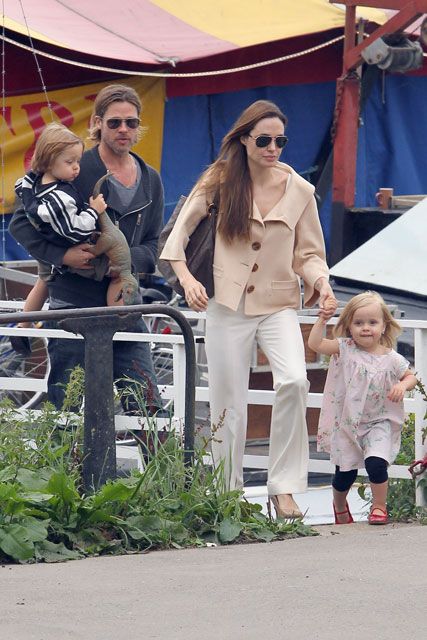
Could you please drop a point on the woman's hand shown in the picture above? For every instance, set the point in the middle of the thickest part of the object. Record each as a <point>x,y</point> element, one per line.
<point>327,301</point>
<point>195,293</point>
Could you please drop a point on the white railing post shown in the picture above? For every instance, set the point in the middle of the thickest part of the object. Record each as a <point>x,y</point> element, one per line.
<point>415,405</point>
<point>420,344</point>
<point>179,381</point>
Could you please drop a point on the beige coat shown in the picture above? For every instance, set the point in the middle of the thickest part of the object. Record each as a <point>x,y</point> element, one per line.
<point>286,245</point>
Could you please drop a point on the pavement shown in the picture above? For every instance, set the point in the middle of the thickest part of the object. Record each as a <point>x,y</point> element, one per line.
<point>354,581</point>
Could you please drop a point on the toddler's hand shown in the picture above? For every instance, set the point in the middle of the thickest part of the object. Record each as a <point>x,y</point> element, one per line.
<point>327,310</point>
<point>98,203</point>
<point>397,392</point>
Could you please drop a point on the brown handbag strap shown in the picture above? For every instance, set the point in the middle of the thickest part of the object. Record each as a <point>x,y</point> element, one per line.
<point>213,207</point>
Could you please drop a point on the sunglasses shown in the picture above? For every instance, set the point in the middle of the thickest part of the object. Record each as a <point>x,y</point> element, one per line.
<point>264,141</point>
<point>115,123</point>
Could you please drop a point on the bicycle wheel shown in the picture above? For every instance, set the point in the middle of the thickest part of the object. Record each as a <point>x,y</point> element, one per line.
<point>15,365</point>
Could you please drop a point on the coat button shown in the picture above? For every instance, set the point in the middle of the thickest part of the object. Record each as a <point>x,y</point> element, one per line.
<point>256,246</point>
<point>250,289</point>
<point>255,267</point>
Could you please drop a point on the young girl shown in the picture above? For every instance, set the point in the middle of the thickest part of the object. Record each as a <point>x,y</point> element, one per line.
<point>362,414</point>
<point>57,210</point>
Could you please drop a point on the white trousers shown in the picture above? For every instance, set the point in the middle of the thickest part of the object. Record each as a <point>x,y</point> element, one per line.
<point>229,342</point>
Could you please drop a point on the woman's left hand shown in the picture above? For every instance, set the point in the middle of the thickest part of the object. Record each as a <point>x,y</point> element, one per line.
<point>327,301</point>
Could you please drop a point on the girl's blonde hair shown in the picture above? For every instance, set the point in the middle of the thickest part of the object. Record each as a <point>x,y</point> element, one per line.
<point>53,140</point>
<point>392,328</point>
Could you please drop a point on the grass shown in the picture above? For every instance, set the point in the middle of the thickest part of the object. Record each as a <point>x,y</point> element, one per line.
<point>46,516</point>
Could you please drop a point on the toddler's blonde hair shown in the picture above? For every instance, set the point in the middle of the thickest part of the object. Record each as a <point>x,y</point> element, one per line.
<point>53,140</point>
<point>392,328</point>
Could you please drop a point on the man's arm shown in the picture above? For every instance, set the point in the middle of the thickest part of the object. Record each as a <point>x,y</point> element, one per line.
<point>21,229</point>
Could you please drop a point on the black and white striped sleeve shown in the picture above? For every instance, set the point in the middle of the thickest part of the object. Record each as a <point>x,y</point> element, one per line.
<point>59,209</point>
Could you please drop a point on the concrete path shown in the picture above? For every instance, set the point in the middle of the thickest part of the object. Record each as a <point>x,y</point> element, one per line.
<point>351,582</point>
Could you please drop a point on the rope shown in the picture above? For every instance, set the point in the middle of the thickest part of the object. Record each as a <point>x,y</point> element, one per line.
<point>155,74</point>
<point>33,50</point>
<point>4,121</point>
<point>2,152</point>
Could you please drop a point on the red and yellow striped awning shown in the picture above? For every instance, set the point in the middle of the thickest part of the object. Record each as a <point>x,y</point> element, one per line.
<point>157,32</point>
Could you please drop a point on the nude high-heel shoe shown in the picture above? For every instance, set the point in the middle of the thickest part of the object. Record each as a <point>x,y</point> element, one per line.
<point>286,514</point>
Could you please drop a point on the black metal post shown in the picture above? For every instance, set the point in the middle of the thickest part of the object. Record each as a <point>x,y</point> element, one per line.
<point>99,445</point>
<point>100,452</point>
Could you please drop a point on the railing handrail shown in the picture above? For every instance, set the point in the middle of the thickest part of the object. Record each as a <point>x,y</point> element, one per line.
<point>96,472</point>
<point>413,404</point>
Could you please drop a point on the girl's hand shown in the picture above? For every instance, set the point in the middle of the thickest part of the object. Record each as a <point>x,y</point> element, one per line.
<point>397,392</point>
<point>329,307</point>
<point>195,294</point>
<point>98,203</point>
<point>321,319</point>
<point>327,301</point>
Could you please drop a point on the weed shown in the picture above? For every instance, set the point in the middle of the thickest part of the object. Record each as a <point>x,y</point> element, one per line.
<point>45,516</point>
<point>401,503</point>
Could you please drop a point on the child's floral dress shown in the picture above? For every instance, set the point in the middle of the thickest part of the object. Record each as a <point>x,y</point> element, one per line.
<point>357,420</point>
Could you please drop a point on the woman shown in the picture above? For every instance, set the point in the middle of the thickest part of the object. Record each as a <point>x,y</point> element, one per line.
<point>268,235</point>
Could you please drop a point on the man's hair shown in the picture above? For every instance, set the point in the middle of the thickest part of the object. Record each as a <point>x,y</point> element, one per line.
<point>53,140</point>
<point>106,97</point>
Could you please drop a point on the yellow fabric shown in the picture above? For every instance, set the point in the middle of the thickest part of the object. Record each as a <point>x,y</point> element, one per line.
<point>74,107</point>
<point>249,22</point>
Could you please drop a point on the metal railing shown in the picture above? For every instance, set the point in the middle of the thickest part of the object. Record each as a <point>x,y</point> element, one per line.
<point>177,390</point>
<point>98,325</point>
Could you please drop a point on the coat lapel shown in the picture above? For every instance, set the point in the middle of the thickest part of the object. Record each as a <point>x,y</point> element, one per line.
<point>294,201</point>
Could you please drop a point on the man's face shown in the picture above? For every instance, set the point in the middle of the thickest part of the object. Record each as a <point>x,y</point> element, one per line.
<point>121,139</point>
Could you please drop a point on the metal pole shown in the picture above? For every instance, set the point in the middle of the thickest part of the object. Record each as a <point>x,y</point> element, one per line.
<point>98,325</point>
<point>99,445</point>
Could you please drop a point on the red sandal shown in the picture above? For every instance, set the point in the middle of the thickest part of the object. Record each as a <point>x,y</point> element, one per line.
<point>340,513</point>
<point>378,518</point>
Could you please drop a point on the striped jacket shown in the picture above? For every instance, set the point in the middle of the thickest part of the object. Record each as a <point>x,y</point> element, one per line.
<point>57,210</point>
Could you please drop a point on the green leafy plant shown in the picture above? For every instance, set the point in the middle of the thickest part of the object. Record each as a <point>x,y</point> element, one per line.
<point>45,516</point>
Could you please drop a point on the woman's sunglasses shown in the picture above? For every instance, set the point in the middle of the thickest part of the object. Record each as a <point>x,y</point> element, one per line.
<point>264,141</point>
<point>131,123</point>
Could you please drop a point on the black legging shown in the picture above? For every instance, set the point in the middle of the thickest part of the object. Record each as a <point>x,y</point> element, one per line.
<point>377,473</point>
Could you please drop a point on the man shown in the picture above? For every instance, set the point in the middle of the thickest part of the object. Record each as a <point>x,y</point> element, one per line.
<point>135,202</point>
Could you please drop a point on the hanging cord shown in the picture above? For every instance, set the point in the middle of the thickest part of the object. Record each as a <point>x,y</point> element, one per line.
<point>2,139</point>
<point>33,50</point>
<point>3,126</point>
<point>197,74</point>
